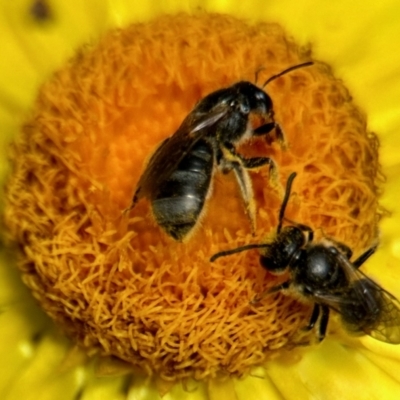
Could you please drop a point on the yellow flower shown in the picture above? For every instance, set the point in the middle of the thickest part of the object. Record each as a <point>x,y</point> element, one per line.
<point>361,47</point>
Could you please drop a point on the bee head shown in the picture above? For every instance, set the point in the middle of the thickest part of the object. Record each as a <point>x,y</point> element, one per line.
<point>256,99</point>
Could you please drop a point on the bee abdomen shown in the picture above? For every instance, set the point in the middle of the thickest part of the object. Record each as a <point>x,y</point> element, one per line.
<point>181,198</point>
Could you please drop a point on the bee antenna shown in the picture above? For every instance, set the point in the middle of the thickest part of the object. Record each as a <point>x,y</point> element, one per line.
<point>273,77</point>
<point>285,200</point>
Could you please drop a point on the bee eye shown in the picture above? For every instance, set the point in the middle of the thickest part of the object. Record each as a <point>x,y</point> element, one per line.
<point>260,95</point>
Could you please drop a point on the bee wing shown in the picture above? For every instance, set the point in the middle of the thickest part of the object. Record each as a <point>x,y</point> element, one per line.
<point>386,328</point>
<point>173,149</point>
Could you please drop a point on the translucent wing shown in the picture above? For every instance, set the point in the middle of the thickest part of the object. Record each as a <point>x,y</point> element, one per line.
<point>387,328</point>
<point>366,305</point>
<point>173,149</point>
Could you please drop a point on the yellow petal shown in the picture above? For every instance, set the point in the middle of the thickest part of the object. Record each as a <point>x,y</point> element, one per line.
<point>221,390</point>
<point>333,371</point>
<point>259,385</point>
<point>41,377</point>
<point>142,388</point>
<point>383,355</point>
<point>37,49</point>
<point>193,391</point>
<point>104,388</point>
<point>16,348</point>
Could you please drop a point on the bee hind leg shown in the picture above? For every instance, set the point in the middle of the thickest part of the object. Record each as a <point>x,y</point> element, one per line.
<point>319,318</point>
<point>246,189</point>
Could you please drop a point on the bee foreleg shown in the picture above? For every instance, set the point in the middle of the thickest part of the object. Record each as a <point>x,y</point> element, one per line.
<point>236,250</point>
<point>267,128</point>
<point>274,289</point>
<point>263,129</point>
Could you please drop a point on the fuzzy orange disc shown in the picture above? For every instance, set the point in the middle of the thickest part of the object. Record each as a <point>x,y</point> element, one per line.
<point>113,280</point>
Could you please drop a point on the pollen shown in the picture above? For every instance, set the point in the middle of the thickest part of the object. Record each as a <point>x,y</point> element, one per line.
<point>112,279</point>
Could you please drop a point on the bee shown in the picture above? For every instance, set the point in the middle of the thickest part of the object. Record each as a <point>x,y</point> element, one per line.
<point>322,273</point>
<point>177,178</point>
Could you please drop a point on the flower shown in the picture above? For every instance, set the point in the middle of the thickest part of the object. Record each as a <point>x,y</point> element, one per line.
<point>44,353</point>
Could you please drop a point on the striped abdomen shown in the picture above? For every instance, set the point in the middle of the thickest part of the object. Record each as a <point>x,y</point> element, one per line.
<point>180,199</point>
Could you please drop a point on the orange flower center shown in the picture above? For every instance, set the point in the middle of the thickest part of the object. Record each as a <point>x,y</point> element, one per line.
<point>114,281</point>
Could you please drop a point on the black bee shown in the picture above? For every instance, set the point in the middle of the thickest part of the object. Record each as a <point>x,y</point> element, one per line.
<point>322,273</point>
<point>178,177</point>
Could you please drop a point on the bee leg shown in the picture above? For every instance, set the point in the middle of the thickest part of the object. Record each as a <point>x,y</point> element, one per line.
<point>280,135</point>
<point>364,257</point>
<point>250,163</point>
<point>239,164</point>
<point>257,162</point>
<point>246,247</point>
<point>133,203</point>
<point>282,286</point>
<point>267,128</point>
<point>274,289</point>
<point>246,189</point>
<point>244,181</point>
<point>323,323</point>
<point>263,129</point>
<point>313,318</point>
